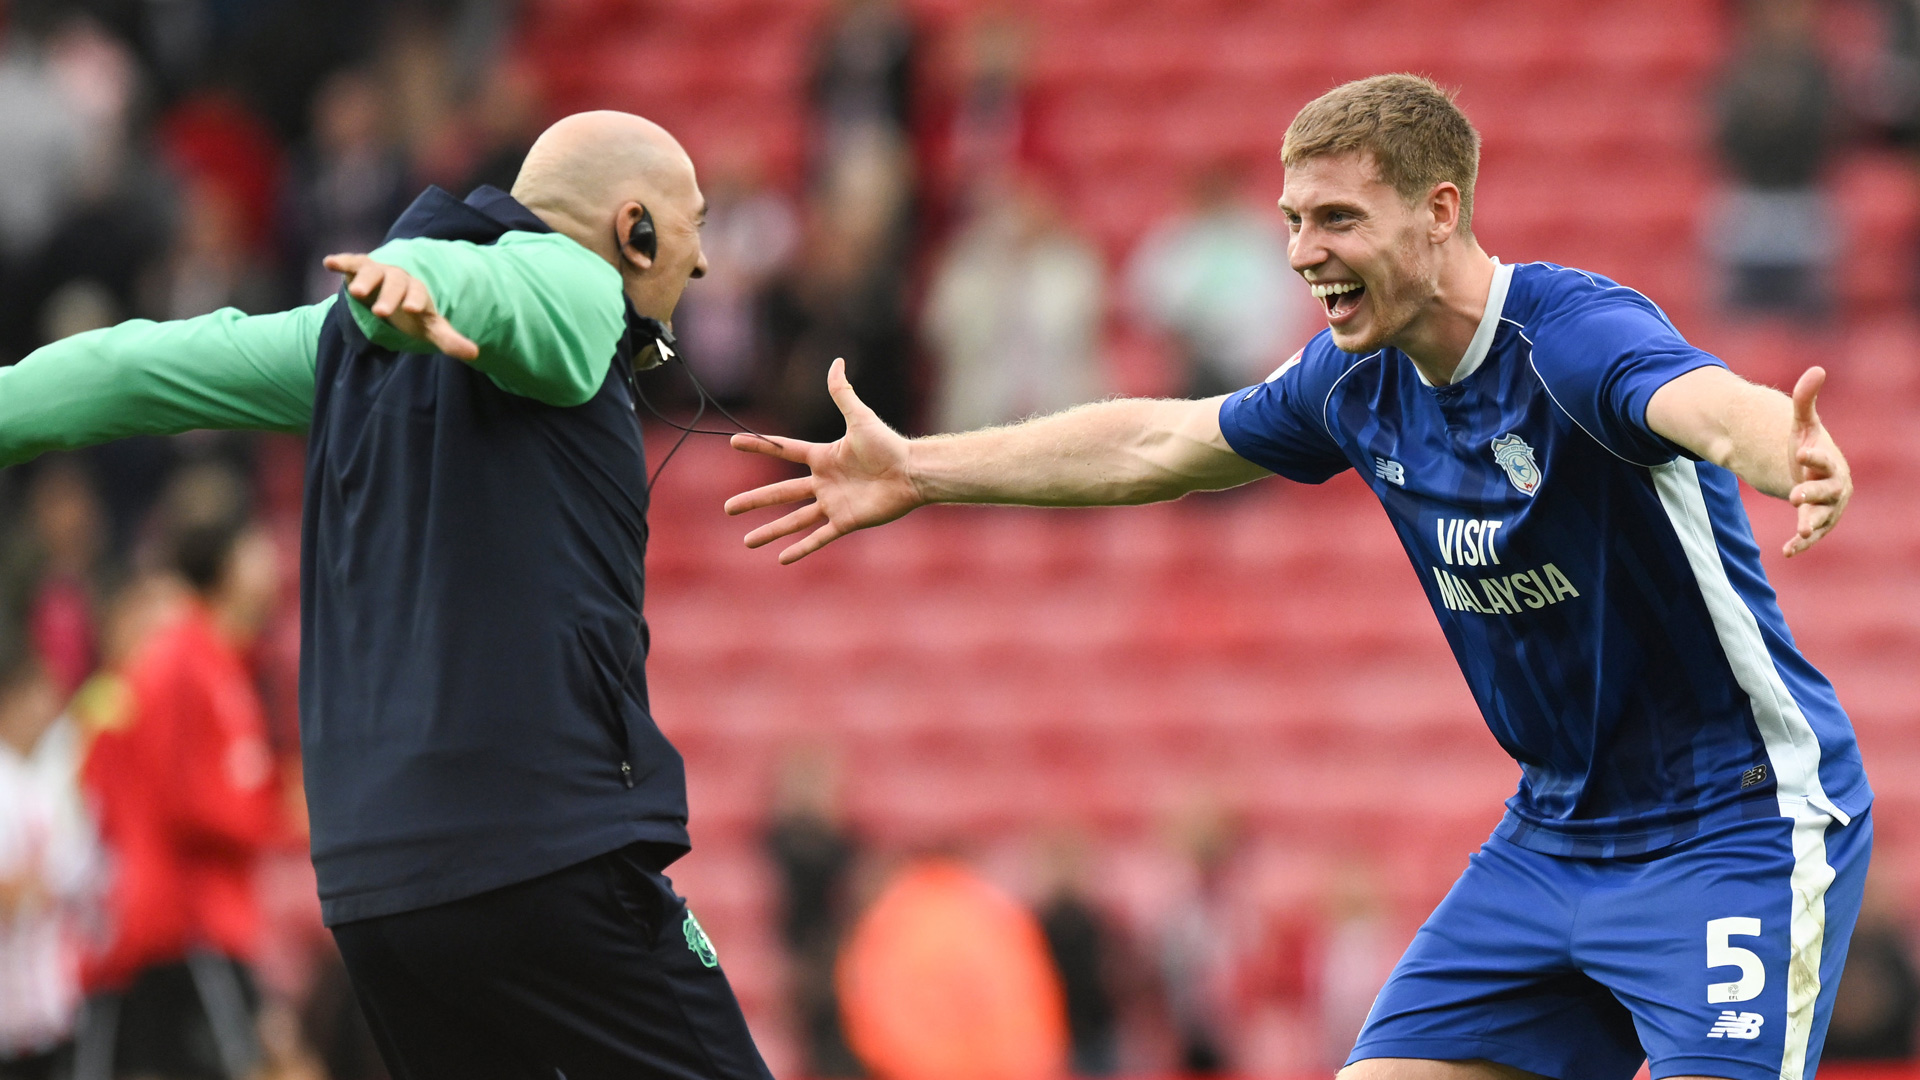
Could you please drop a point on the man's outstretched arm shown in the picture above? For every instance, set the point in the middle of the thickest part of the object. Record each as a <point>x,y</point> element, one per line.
<point>1775,443</point>
<point>1110,453</point>
<point>535,312</point>
<point>224,370</point>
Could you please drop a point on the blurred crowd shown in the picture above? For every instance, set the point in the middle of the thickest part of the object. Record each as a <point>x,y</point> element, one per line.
<point>163,160</point>
<point>1786,108</point>
<point>968,960</point>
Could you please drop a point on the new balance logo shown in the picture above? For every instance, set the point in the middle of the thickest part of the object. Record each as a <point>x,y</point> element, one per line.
<point>1391,471</point>
<point>1733,1025</point>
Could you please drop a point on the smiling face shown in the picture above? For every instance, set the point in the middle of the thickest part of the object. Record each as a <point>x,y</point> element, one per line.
<point>1372,258</point>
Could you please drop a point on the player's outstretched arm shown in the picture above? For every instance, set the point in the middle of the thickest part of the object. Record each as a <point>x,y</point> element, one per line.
<point>1109,453</point>
<point>1777,444</point>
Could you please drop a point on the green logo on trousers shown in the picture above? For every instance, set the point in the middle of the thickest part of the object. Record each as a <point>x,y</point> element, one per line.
<point>698,943</point>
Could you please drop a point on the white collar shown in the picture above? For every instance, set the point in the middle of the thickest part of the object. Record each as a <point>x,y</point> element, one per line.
<point>1482,342</point>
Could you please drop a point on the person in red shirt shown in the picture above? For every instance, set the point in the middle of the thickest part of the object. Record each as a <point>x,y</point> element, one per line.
<point>186,790</point>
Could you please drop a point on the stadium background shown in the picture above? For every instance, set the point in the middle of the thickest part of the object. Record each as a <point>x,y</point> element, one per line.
<point>1236,704</point>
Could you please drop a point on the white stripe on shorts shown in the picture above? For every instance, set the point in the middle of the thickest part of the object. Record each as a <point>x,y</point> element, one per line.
<point>1793,749</point>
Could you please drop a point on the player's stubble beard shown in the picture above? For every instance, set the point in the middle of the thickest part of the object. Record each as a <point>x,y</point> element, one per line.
<point>1402,284</point>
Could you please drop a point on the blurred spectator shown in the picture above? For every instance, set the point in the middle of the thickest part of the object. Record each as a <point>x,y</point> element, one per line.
<point>1216,279</point>
<point>1199,948</point>
<point>47,860</point>
<point>1893,99</point>
<point>184,780</point>
<point>54,573</point>
<point>1878,1001</point>
<point>347,186</point>
<point>98,76</point>
<point>422,73</point>
<point>1082,946</point>
<point>90,270</point>
<point>750,236</point>
<point>44,137</point>
<point>276,55</point>
<point>1773,232</point>
<point>1356,954</point>
<point>215,143</point>
<point>814,855</point>
<point>213,265</point>
<point>506,116</point>
<point>863,79</point>
<point>985,131</point>
<point>947,978</point>
<point>1013,318</point>
<point>845,295</point>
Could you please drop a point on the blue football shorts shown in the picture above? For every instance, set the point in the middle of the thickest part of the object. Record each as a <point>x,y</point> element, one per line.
<point>1717,956</point>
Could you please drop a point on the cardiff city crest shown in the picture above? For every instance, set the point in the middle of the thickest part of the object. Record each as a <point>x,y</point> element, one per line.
<point>1516,458</point>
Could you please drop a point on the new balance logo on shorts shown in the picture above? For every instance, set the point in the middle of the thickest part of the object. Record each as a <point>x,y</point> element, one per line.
<point>1733,1025</point>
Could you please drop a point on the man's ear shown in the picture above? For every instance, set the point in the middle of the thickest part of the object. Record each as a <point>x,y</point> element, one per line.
<point>633,236</point>
<point>1444,203</point>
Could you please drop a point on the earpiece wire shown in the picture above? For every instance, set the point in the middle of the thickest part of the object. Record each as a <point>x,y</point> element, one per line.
<point>692,427</point>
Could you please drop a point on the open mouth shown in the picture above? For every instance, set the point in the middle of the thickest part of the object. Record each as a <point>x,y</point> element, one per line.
<point>1339,297</point>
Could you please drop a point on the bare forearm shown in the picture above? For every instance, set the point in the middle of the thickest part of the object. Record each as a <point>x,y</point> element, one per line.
<point>1732,423</point>
<point>1757,444</point>
<point>1759,433</point>
<point>1109,453</point>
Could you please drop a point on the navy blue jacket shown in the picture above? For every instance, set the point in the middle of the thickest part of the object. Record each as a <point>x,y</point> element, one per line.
<point>472,681</point>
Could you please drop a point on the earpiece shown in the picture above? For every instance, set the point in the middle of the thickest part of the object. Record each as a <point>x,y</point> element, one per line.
<point>642,238</point>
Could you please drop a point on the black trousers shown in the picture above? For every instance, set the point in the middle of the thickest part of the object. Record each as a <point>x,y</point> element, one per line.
<point>596,971</point>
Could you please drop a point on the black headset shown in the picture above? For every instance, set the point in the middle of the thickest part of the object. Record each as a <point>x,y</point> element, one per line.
<point>642,238</point>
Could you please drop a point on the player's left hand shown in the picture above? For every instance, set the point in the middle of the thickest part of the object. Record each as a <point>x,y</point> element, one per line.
<point>403,302</point>
<point>1822,483</point>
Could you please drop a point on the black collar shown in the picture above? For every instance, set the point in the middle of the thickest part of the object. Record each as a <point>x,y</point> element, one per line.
<point>505,209</point>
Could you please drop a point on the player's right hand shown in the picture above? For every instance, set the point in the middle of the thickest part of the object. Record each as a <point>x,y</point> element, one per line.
<point>1822,481</point>
<point>403,302</point>
<point>856,482</point>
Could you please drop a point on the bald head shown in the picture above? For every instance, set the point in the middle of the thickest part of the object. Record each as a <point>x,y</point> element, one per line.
<point>587,177</point>
<point>589,163</point>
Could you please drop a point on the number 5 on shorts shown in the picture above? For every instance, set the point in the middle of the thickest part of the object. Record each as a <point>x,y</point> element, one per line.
<point>1753,976</point>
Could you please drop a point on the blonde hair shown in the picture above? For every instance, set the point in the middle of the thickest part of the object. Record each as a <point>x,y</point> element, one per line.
<point>1414,132</point>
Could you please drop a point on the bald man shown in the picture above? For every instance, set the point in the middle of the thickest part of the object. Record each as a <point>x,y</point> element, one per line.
<point>492,806</point>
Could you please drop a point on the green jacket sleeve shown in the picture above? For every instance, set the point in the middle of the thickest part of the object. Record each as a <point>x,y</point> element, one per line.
<point>546,312</point>
<point>224,370</point>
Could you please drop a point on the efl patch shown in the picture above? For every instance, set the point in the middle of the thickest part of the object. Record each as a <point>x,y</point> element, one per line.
<point>1516,459</point>
<point>698,943</point>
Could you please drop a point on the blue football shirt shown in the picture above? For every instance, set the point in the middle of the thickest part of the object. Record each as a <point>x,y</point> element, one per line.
<point>1600,587</point>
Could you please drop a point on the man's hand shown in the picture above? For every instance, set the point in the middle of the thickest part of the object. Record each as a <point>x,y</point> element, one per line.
<point>857,482</point>
<point>1822,482</point>
<point>403,302</point>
